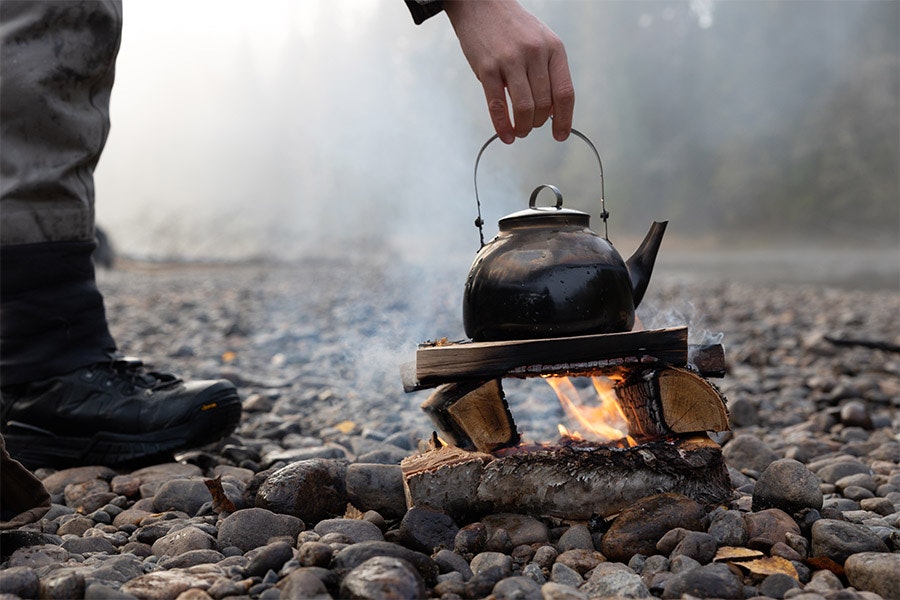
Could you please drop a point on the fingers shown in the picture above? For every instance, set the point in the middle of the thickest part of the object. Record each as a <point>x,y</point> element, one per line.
<point>537,89</point>
<point>563,91</point>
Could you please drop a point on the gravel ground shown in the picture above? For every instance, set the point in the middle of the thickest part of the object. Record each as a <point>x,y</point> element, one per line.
<point>315,348</point>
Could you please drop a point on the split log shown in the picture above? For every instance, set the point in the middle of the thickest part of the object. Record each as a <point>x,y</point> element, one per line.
<point>569,482</point>
<point>455,361</point>
<point>665,401</point>
<point>473,415</point>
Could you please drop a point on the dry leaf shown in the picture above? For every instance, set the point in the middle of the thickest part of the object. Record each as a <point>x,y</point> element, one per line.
<point>353,513</point>
<point>823,562</point>
<point>769,565</point>
<point>736,553</point>
<point>220,502</point>
<point>345,427</point>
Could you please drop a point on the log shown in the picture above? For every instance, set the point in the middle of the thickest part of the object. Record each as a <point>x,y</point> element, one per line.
<point>472,415</point>
<point>666,401</point>
<point>569,482</point>
<point>448,362</point>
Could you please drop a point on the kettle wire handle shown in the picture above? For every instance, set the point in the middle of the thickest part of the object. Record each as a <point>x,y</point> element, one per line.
<point>604,214</point>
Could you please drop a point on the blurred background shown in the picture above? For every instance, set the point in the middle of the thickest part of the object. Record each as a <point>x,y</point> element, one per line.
<point>766,132</point>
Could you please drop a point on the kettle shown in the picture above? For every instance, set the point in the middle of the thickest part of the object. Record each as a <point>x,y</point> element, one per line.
<point>546,274</point>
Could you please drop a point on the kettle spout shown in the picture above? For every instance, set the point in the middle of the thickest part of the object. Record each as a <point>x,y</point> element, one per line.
<point>640,265</point>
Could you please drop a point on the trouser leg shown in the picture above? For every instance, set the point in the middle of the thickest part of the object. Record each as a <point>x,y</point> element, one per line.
<point>57,62</point>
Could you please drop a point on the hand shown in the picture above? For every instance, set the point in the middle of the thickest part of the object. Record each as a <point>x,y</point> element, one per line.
<point>509,49</point>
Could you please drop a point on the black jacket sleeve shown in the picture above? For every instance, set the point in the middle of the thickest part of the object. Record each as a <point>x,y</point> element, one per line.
<point>423,9</point>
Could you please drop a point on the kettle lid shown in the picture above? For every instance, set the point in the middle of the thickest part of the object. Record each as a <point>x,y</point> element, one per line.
<point>546,215</point>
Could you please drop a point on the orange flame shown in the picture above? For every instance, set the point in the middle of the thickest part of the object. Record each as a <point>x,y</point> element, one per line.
<point>604,421</point>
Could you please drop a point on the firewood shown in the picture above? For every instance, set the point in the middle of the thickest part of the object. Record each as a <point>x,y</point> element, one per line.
<point>446,362</point>
<point>574,482</point>
<point>660,402</point>
<point>473,415</point>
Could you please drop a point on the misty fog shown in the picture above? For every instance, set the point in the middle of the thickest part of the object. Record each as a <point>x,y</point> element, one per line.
<point>285,128</point>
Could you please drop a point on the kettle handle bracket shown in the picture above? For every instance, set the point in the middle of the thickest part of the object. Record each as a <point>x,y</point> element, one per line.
<point>604,214</point>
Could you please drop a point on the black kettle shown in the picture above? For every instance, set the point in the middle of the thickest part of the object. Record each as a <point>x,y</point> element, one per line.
<point>546,274</point>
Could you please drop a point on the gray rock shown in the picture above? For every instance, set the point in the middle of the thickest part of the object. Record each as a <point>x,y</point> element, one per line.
<point>863,480</point>
<point>311,490</point>
<point>697,545</point>
<point>580,560</point>
<point>710,581</point>
<point>382,577</point>
<point>874,572</point>
<point>267,558</point>
<point>534,572</point>
<point>615,580</point>
<point>545,556</point>
<point>19,581</point>
<point>522,529</point>
<point>74,526</point>
<point>303,583</point>
<point>557,591</point>
<point>822,582</point>
<point>352,556</point>
<point>768,527</point>
<point>565,575</point>
<point>787,484</point>
<point>576,536</point>
<point>88,545</point>
<point>377,487</point>
<point>640,526</point>
<point>62,584</point>
<point>838,540</point>
<point>355,529</point>
<point>517,588</point>
<point>184,540</point>
<point>185,495</point>
<point>470,539</point>
<point>728,528</point>
<point>164,585</point>
<point>116,569</point>
<point>748,452</point>
<point>490,560</point>
<point>99,591</point>
<point>191,558</point>
<point>253,527</point>
<point>834,470</point>
<point>427,529</point>
<point>449,562</point>
<point>777,585</point>
<point>314,554</point>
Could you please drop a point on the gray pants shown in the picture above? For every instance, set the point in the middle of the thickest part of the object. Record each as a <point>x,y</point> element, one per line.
<point>57,62</point>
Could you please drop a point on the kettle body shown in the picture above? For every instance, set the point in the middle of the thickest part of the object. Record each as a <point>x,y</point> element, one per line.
<point>547,274</point>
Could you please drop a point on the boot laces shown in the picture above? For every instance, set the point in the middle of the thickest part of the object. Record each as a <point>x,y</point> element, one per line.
<point>132,371</point>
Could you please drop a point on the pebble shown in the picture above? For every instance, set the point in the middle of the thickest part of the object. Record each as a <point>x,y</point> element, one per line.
<point>318,489</point>
<point>787,484</point>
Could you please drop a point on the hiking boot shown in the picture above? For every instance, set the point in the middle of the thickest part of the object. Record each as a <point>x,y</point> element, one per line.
<point>114,413</point>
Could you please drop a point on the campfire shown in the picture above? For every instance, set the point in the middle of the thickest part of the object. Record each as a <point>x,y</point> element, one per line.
<point>638,429</point>
<point>548,297</point>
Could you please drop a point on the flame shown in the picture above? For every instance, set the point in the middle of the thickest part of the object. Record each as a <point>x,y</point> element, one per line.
<point>603,421</point>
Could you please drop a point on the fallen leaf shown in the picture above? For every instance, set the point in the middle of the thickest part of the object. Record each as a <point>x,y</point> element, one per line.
<point>769,565</point>
<point>736,553</point>
<point>220,502</point>
<point>345,427</point>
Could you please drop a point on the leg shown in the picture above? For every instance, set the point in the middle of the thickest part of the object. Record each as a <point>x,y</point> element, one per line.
<point>66,398</point>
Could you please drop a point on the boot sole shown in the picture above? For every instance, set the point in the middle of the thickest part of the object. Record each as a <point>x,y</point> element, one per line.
<point>35,448</point>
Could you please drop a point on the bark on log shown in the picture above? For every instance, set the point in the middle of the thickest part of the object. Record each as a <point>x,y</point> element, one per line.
<point>472,415</point>
<point>563,481</point>
<point>665,401</point>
